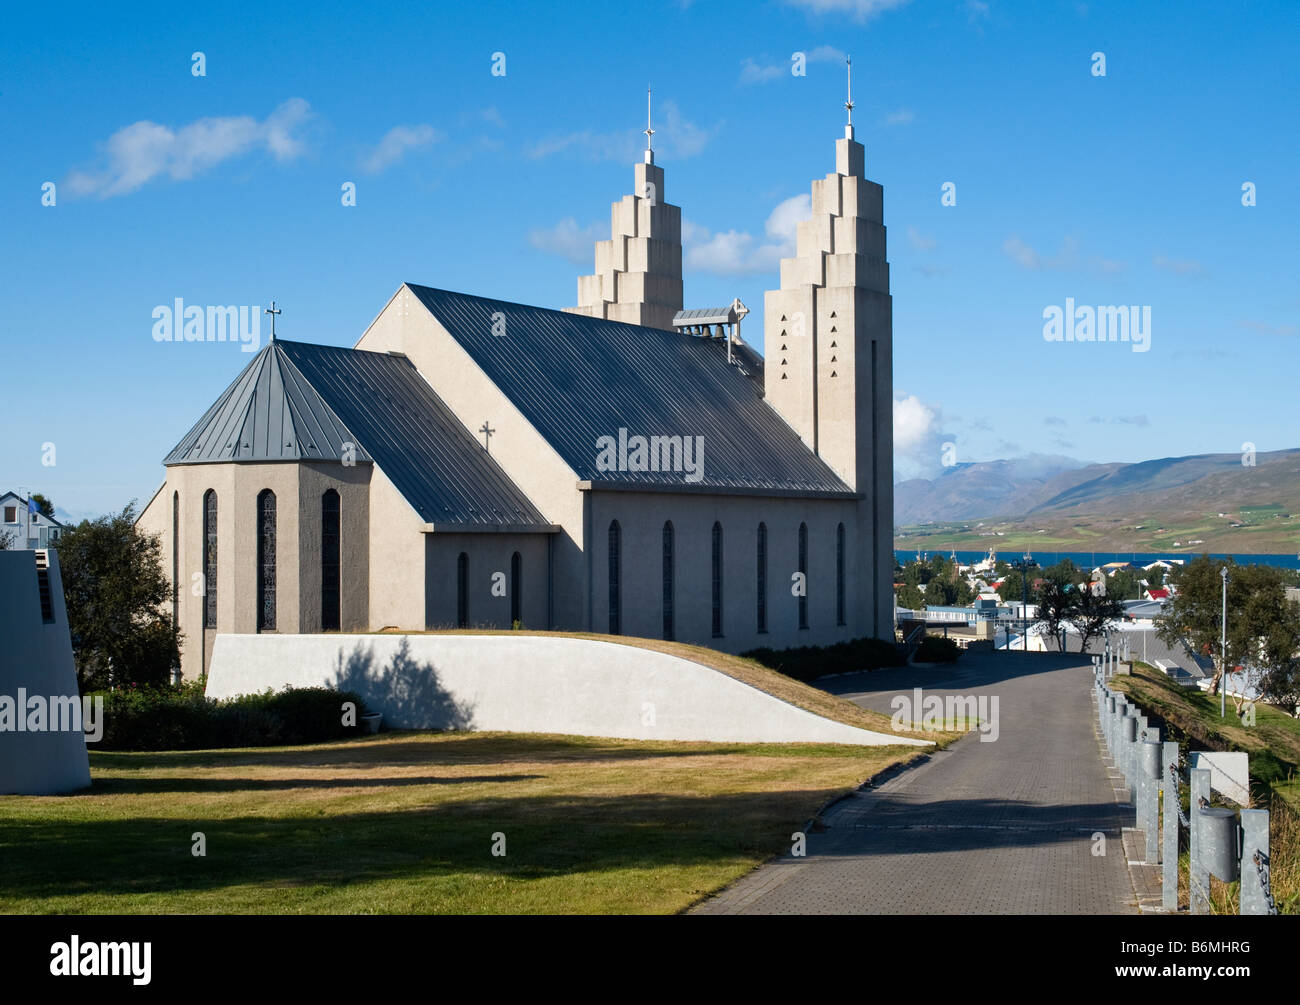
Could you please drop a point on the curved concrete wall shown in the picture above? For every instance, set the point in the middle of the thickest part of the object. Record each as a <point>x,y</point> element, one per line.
<point>527,684</point>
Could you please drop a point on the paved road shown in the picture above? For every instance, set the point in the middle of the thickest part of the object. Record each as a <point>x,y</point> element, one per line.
<point>1002,827</point>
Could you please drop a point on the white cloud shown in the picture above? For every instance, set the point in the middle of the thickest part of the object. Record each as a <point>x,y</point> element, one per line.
<point>737,252</point>
<point>754,73</point>
<point>1179,267</point>
<point>976,10</point>
<point>1028,257</point>
<point>919,241</point>
<point>143,151</point>
<point>902,117</point>
<point>396,142</point>
<point>569,241</point>
<point>859,10</point>
<point>675,137</point>
<point>1264,328</point>
<point>919,437</point>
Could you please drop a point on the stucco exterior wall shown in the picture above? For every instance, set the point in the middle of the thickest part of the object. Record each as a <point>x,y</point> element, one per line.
<point>488,554</point>
<point>396,558</point>
<point>406,326</point>
<point>522,683</point>
<point>297,488</point>
<point>641,518</point>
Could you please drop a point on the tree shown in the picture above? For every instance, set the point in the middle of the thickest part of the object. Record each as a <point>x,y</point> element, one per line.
<point>6,540</point>
<point>1123,585</point>
<point>43,505</point>
<point>115,588</point>
<point>910,596</point>
<point>1089,614</point>
<point>1155,577</point>
<point>1263,628</point>
<point>1055,604</point>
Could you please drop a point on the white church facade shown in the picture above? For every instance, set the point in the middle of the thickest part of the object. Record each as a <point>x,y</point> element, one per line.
<point>619,467</point>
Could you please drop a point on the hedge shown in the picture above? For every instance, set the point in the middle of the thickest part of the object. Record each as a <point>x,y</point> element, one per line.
<point>807,663</point>
<point>183,718</point>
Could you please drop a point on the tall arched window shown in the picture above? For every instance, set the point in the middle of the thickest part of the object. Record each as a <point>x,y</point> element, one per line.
<point>762,577</point>
<point>516,606</point>
<point>669,628</point>
<point>462,591</point>
<point>330,561</point>
<point>615,578</point>
<point>266,560</point>
<point>717,580</point>
<point>803,568</point>
<point>176,537</point>
<point>839,574</point>
<point>210,559</point>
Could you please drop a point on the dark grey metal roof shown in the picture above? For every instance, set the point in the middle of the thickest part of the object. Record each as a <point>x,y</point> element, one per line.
<point>380,402</point>
<point>577,379</point>
<point>270,413</point>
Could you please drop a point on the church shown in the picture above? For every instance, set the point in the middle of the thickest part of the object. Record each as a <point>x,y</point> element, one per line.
<point>624,466</point>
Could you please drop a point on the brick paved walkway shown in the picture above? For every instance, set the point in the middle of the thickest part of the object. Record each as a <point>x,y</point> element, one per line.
<point>1002,827</point>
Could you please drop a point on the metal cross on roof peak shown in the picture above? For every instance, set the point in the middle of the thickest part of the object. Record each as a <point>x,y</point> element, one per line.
<point>273,311</point>
<point>648,131</point>
<point>848,105</point>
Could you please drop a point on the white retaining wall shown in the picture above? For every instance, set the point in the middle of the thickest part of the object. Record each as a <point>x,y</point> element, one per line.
<point>527,684</point>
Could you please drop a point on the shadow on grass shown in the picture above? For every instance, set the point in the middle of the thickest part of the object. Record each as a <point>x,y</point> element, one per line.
<point>141,786</point>
<point>395,749</point>
<point>450,843</point>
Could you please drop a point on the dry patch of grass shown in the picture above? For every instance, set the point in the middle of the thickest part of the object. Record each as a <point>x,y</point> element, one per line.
<point>405,823</point>
<point>747,671</point>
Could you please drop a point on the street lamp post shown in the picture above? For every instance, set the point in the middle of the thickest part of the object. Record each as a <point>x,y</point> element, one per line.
<point>1223,649</point>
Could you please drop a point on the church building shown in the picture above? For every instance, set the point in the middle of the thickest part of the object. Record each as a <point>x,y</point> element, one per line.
<point>624,466</point>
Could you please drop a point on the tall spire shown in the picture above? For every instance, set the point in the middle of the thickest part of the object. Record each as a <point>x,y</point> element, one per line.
<point>649,132</point>
<point>848,105</point>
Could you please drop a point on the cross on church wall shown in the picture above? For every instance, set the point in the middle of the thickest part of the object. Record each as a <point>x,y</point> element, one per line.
<point>487,432</point>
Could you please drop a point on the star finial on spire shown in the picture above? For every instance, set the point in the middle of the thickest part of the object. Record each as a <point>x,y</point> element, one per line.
<point>848,105</point>
<point>649,132</point>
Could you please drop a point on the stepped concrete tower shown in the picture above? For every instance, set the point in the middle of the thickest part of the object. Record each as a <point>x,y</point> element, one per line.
<point>638,276</point>
<point>828,338</point>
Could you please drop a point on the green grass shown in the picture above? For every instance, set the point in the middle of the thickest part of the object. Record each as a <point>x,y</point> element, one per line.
<point>404,822</point>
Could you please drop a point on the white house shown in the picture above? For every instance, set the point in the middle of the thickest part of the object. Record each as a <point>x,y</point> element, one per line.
<point>26,527</point>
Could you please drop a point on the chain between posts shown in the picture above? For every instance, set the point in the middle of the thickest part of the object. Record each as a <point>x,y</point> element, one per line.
<point>1178,803</point>
<point>1262,863</point>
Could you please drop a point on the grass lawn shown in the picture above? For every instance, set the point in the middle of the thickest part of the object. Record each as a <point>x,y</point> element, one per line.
<point>404,823</point>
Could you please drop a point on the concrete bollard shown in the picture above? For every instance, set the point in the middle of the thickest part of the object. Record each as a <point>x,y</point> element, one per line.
<point>1198,874</point>
<point>1219,854</point>
<point>1149,812</point>
<point>1169,859</point>
<point>1254,837</point>
<point>1129,749</point>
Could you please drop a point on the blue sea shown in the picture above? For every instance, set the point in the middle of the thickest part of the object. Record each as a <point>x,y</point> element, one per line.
<point>1092,559</point>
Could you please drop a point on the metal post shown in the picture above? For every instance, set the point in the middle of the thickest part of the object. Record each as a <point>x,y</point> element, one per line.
<point>1150,807</point>
<point>1198,876</point>
<point>1223,649</point>
<point>1169,873</point>
<point>1254,838</point>
<point>1129,742</point>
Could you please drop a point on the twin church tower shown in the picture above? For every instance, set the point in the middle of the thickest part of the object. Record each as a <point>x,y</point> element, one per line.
<point>827,331</point>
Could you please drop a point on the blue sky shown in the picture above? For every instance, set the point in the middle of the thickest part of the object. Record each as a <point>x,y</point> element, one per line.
<point>225,189</point>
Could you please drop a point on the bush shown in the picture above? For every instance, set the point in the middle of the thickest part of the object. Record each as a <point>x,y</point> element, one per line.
<point>936,649</point>
<point>810,662</point>
<point>183,718</point>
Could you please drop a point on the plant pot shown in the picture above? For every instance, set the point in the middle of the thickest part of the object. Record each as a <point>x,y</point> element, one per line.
<point>372,721</point>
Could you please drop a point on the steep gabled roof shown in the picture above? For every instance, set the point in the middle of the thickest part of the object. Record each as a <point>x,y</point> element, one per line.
<point>577,379</point>
<point>298,401</point>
